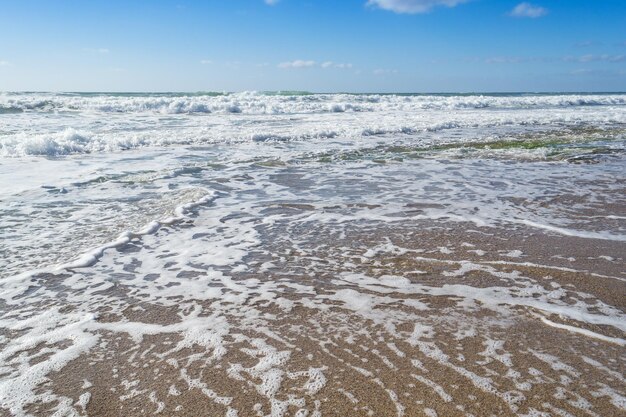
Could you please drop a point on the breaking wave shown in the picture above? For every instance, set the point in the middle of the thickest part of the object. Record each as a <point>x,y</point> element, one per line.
<point>47,124</point>
<point>266,103</point>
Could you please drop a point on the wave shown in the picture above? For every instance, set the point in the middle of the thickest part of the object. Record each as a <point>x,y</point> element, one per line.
<point>287,102</point>
<point>10,109</point>
<point>180,213</point>
<point>465,134</point>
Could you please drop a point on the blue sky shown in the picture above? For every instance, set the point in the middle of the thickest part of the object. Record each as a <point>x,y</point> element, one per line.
<point>314,45</point>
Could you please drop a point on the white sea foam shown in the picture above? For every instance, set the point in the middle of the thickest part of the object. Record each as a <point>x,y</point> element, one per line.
<point>585,332</point>
<point>260,103</point>
<point>110,123</point>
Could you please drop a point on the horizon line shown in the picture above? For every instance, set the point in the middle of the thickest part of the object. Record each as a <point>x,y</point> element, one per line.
<point>295,92</point>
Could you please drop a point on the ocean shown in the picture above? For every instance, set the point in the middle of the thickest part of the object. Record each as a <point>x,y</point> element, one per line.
<point>291,253</point>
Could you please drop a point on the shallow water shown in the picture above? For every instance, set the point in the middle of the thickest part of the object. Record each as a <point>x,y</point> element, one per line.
<point>266,254</point>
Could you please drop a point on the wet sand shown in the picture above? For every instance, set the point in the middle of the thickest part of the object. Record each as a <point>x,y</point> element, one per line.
<point>405,319</point>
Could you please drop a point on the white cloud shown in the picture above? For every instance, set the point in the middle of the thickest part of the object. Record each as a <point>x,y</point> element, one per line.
<point>271,2</point>
<point>298,63</point>
<point>331,64</point>
<point>528,10</point>
<point>412,6</point>
<point>4,63</point>
<point>206,62</point>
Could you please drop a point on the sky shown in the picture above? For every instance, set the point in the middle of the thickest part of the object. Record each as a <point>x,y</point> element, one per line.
<point>313,45</point>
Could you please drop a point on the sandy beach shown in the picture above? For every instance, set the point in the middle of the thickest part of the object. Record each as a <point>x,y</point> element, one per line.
<point>397,320</point>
